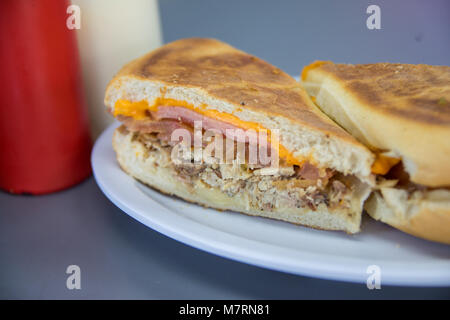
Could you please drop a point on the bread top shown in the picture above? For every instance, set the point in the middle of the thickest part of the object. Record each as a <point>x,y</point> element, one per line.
<point>395,107</point>
<point>208,75</point>
<point>232,75</point>
<point>420,93</point>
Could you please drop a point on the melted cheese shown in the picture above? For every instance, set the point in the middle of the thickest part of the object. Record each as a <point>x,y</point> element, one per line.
<point>383,164</point>
<point>138,111</point>
<point>313,65</point>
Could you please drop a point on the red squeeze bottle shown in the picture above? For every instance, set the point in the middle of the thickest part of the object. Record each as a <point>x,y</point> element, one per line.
<point>44,135</point>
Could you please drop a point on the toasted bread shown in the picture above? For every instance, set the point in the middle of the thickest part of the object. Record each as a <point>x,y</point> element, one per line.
<point>404,111</point>
<point>400,108</point>
<point>207,72</point>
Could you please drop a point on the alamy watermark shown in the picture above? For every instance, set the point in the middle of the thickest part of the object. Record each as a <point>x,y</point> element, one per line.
<point>373,22</point>
<point>225,146</point>
<point>374,278</point>
<point>74,20</point>
<point>74,279</point>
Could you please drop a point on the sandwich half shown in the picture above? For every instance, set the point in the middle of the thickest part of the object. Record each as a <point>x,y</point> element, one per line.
<point>322,176</point>
<point>402,113</point>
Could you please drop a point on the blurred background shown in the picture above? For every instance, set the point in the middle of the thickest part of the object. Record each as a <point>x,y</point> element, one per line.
<point>46,89</point>
<point>288,33</point>
<point>292,33</point>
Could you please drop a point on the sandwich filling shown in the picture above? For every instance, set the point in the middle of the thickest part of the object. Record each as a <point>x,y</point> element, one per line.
<point>181,111</point>
<point>294,183</point>
<point>288,186</point>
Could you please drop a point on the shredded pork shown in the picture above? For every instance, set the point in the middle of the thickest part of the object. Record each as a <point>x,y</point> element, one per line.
<point>267,187</point>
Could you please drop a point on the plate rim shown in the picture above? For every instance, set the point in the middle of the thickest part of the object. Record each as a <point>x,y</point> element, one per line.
<point>246,253</point>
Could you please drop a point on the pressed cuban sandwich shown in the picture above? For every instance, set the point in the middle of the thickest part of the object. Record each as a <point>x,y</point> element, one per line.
<point>323,174</point>
<point>402,113</point>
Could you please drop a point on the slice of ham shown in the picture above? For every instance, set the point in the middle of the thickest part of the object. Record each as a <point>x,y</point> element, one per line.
<point>308,171</point>
<point>164,128</point>
<point>189,117</point>
<point>168,118</point>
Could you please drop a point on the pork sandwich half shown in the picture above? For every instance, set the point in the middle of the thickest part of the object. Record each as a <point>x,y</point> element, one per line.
<point>402,113</point>
<point>323,174</point>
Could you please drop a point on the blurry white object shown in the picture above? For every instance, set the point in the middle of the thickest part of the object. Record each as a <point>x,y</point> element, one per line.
<point>113,32</point>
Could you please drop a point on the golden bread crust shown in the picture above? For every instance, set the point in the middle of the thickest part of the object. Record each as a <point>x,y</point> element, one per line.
<point>428,219</point>
<point>431,224</point>
<point>391,107</point>
<point>229,74</point>
<point>417,92</point>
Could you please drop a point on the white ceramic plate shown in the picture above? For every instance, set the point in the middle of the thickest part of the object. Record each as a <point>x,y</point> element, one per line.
<point>402,259</point>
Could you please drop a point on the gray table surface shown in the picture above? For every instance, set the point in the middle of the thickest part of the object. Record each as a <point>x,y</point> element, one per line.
<point>121,258</point>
